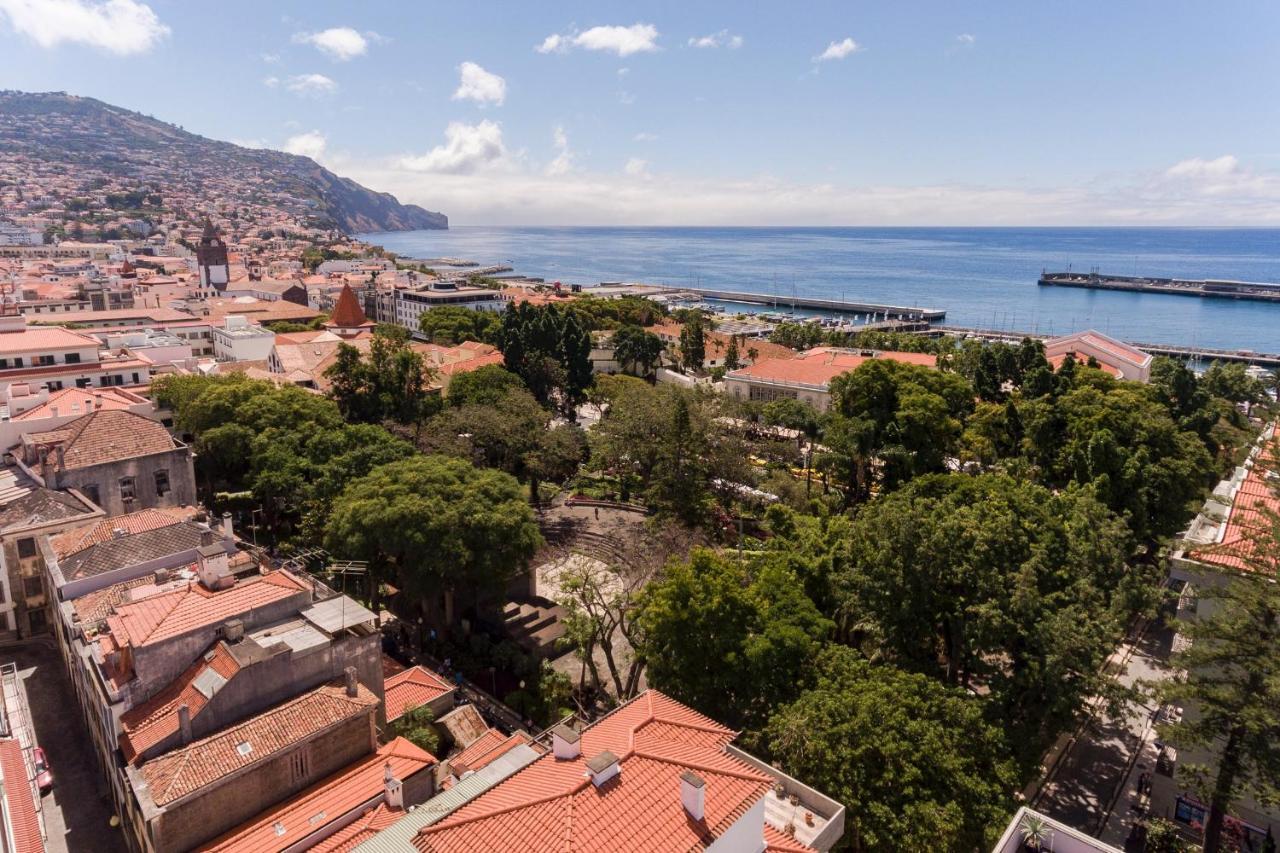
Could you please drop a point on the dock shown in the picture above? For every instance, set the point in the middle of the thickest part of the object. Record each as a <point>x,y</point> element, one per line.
<point>1204,288</point>
<point>836,306</point>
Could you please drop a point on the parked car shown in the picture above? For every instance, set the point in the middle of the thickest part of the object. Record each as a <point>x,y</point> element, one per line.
<point>44,773</point>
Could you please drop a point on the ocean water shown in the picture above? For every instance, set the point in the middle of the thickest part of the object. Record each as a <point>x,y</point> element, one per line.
<point>983,277</point>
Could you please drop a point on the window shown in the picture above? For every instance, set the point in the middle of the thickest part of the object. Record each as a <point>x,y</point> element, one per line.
<point>83,382</point>
<point>26,548</point>
<point>72,358</point>
<point>37,619</point>
<point>55,385</point>
<point>33,586</point>
<point>90,491</point>
<point>300,765</point>
<point>128,488</point>
<point>136,380</point>
<point>44,360</point>
<point>162,482</point>
<point>17,362</point>
<point>4,362</point>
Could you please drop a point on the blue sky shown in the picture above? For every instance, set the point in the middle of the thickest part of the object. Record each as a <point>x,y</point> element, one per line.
<point>704,113</point>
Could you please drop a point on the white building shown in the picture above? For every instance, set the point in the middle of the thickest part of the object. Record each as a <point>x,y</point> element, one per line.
<point>239,340</point>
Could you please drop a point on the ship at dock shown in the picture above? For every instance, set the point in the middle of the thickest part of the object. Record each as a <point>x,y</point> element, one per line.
<point>1205,288</point>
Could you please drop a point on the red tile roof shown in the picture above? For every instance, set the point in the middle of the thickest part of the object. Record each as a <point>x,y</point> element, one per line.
<point>72,401</point>
<point>484,750</point>
<point>75,541</point>
<point>19,799</point>
<point>171,613</point>
<point>183,771</point>
<point>1253,509</point>
<point>347,313</point>
<point>411,688</point>
<point>554,803</point>
<point>292,821</point>
<point>153,721</point>
<point>817,367</point>
<point>39,338</point>
<point>107,436</point>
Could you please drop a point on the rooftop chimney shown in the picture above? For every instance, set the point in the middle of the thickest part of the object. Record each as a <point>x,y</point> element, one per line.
<point>566,743</point>
<point>184,723</point>
<point>213,567</point>
<point>233,630</point>
<point>227,530</point>
<point>349,676</point>
<point>602,768</point>
<point>393,790</point>
<point>693,794</point>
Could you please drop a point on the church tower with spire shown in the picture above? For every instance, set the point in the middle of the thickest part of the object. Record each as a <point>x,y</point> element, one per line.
<point>211,257</point>
<point>348,319</point>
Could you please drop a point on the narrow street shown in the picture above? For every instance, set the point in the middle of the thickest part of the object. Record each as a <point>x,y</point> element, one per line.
<point>1093,785</point>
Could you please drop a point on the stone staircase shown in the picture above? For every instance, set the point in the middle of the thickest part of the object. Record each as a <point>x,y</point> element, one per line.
<point>535,624</point>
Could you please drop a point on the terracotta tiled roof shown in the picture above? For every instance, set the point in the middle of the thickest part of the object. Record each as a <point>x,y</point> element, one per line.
<point>285,825</point>
<point>817,367</point>
<point>639,809</point>
<point>365,827</point>
<point>35,338</point>
<point>1117,349</point>
<point>74,401</point>
<point>347,313</point>
<point>108,436</point>
<point>171,613</point>
<point>131,550</point>
<point>183,771</point>
<point>484,750</point>
<point>156,719</point>
<point>74,541</point>
<point>19,799</point>
<point>1252,509</point>
<point>1056,362</point>
<point>412,687</point>
<point>93,607</point>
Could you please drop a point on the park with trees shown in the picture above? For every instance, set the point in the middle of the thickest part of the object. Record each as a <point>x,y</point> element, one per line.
<point>902,601</point>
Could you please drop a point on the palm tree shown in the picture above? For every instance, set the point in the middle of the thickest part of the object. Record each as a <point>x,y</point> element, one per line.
<point>1035,831</point>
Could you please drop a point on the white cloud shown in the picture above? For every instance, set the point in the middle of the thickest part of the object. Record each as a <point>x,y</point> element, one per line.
<point>966,39</point>
<point>636,167</point>
<point>271,82</point>
<point>624,41</point>
<point>717,39</point>
<point>312,85</point>
<point>521,195</point>
<point>121,27</point>
<point>476,84</point>
<point>563,163</point>
<point>271,58</point>
<point>838,50</point>
<point>624,71</point>
<point>645,137</point>
<point>310,144</point>
<point>467,149</point>
<point>1197,167</point>
<point>341,43</point>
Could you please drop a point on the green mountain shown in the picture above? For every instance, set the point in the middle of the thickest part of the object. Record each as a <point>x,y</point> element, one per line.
<point>54,130</point>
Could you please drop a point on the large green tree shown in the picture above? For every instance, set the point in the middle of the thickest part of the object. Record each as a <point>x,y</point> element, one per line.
<point>449,325</point>
<point>992,582</point>
<point>891,421</point>
<point>636,350</point>
<point>550,349</point>
<point>730,639</point>
<point>914,762</point>
<point>435,525</point>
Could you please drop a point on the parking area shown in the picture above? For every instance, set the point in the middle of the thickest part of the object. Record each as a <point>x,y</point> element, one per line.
<point>77,812</point>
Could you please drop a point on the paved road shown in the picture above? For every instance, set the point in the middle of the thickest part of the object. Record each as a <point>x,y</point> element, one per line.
<point>1091,786</point>
<point>77,810</point>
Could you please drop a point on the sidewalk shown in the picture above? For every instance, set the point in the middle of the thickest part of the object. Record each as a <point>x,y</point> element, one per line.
<point>1092,787</point>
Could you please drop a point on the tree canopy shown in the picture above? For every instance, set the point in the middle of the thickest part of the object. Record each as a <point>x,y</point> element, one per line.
<point>914,762</point>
